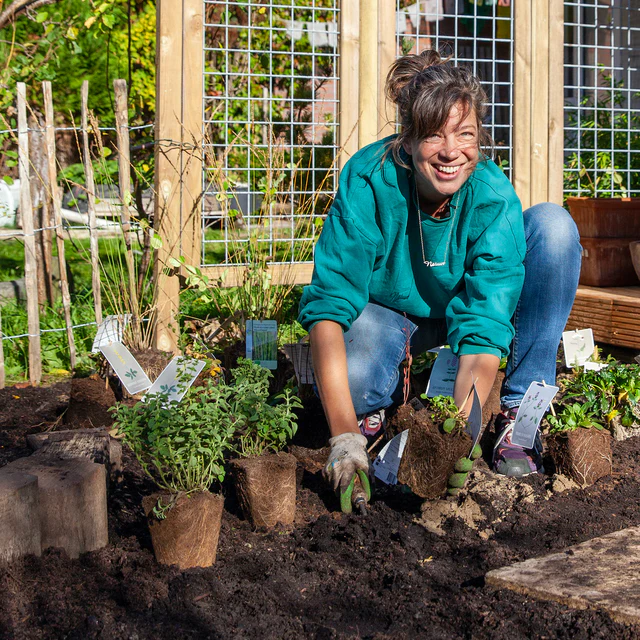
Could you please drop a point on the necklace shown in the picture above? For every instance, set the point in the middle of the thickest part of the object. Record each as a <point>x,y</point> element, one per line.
<point>448,205</point>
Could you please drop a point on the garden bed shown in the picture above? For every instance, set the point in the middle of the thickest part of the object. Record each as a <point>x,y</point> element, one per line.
<point>329,576</point>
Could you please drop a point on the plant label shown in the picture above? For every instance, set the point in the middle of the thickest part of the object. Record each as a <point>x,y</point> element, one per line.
<point>300,354</point>
<point>578,346</point>
<point>595,366</point>
<point>177,377</point>
<point>532,409</point>
<point>443,373</point>
<point>126,367</point>
<point>110,330</point>
<point>262,342</point>
<point>386,465</point>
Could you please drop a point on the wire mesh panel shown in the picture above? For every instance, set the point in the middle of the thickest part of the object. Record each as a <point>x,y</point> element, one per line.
<point>476,33</point>
<point>602,97</point>
<point>270,113</point>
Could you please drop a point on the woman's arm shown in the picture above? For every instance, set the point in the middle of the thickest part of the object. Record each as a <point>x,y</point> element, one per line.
<point>330,370</point>
<point>482,368</point>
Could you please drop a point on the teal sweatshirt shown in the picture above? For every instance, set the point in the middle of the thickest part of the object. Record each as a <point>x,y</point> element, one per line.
<point>370,251</point>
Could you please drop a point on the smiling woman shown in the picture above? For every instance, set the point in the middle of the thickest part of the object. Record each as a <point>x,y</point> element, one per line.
<point>426,244</point>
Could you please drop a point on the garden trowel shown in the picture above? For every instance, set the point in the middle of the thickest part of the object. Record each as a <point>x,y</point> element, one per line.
<point>357,494</point>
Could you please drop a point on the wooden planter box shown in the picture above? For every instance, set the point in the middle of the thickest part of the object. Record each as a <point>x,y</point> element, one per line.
<point>606,226</point>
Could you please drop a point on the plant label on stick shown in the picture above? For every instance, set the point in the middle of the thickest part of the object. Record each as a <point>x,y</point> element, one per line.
<point>532,408</point>
<point>578,346</point>
<point>126,367</point>
<point>474,421</point>
<point>177,377</point>
<point>386,465</point>
<point>595,366</point>
<point>262,342</point>
<point>110,330</point>
<point>443,373</point>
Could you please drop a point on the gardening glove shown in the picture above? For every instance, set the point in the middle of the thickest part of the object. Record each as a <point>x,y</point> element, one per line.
<point>463,466</point>
<point>348,459</point>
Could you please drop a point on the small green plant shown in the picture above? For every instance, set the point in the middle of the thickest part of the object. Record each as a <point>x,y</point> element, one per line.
<point>446,413</point>
<point>262,423</point>
<point>181,445</point>
<point>572,417</point>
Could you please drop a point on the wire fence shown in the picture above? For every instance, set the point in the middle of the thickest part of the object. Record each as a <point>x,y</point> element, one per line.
<point>602,89</point>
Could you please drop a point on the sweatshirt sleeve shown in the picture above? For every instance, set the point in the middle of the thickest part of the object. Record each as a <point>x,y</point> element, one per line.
<point>479,316</point>
<point>343,260</point>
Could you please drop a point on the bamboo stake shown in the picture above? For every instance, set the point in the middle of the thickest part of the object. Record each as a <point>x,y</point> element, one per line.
<point>91,199</point>
<point>124,180</point>
<point>50,137</point>
<point>30,267</point>
<point>2,372</point>
<point>368,72</point>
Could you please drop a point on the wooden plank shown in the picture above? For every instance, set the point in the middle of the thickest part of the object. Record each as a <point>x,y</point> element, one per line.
<point>522,102</point>
<point>368,74</point>
<point>539,187</point>
<point>50,136</point>
<point>556,101</point>
<point>126,197</point>
<point>168,134</point>
<point>30,265</point>
<point>2,367</point>
<point>280,274</point>
<point>192,132</point>
<point>91,204</point>
<point>348,88</point>
<point>387,49</point>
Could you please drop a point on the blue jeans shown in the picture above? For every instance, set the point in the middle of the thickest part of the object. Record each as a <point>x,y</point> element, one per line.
<point>376,342</point>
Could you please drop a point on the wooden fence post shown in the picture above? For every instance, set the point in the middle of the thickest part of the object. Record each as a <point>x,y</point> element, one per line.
<point>387,55</point>
<point>348,88</point>
<point>368,82</point>
<point>50,137</point>
<point>91,203</point>
<point>30,267</point>
<point>2,370</point>
<point>556,101</point>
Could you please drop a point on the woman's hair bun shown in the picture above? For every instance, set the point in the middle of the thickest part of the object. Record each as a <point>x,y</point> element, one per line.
<point>406,68</point>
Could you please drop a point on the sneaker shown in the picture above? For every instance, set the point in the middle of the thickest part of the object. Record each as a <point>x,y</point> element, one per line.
<point>510,459</point>
<point>371,423</point>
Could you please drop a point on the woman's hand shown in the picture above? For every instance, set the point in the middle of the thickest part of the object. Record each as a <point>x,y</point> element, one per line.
<point>481,368</point>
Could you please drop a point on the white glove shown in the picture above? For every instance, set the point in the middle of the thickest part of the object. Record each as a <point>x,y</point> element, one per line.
<point>348,454</point>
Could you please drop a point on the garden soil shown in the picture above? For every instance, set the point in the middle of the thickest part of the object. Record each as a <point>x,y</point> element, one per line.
<point>386,575</point>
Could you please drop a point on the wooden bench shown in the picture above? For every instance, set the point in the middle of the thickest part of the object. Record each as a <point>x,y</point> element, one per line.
<point>613,314</point>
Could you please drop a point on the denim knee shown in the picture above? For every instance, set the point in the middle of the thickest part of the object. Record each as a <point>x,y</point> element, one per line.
<point>550,229</point>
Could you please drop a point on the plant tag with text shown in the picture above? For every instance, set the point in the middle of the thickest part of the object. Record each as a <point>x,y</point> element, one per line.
<point>387,464</point>
<point>595,366</point>
<point>177,377</point>
<point>262,342</point>
<point>110,330</point>
<point>443,373</point>
<point>300,355</point>
<point>126,367</point>
<point>531,411</point>
<point>578,346</point>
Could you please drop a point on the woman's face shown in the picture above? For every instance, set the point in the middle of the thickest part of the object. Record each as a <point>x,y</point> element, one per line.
<point>444,160</point>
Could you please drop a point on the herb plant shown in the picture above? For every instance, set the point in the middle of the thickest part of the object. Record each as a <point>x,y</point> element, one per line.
<point>572,417</point>
<point>181,445</point>
<point>445,412</point>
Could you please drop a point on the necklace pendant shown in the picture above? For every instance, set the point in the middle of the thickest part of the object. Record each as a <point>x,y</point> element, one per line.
<point>429,263</point>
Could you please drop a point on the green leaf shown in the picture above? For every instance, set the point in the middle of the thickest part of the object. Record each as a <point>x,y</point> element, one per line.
<point>8,180</point>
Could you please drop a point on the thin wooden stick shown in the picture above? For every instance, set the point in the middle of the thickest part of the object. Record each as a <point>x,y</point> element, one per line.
<point>2,371</point>
<point>124,172</point>
<point>50,136</point>
<point>30,266</point>
<point>91,199</point>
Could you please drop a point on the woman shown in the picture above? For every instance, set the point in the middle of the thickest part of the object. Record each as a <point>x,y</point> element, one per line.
<point>427,238</point>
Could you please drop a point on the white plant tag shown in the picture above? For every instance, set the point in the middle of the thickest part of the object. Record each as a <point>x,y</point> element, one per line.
<point>126,367</point>
<point>530,413</point>
<point>387,464</point>
<point>262,342</point>
<point>474,421</point>
<point>594,366</point>
<point>443,373</point>
<point>110,330</point>
<point>300,354</point>
<point>578,346</point>
<point>177,377</point>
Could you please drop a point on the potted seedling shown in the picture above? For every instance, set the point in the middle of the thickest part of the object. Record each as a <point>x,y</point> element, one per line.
<point>265,477</point>
<point>437,456</point>
<point>579,445</point>
<point>181,446</point>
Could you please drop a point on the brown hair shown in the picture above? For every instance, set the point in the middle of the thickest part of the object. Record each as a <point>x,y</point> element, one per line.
<point>425,87</point>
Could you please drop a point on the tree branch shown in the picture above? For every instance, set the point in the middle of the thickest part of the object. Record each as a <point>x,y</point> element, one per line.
<point>20,6</point>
